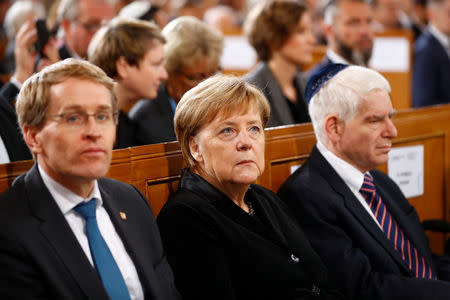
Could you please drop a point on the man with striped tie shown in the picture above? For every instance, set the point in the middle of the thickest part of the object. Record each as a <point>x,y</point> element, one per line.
<point>355,217</point>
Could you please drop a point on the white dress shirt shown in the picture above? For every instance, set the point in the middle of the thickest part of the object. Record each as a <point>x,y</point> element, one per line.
<point>4,156</point>
<point>66,201</point>
<point>352,177</point>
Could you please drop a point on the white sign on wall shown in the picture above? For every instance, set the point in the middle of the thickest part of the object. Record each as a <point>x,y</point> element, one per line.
<point>405,167</point>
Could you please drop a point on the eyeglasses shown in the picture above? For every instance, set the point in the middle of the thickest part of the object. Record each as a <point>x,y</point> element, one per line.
<point>91,27</point>
<point>78,119</point>
<point>197,77</point>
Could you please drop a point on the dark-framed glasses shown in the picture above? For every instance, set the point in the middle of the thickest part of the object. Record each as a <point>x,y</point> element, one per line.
<point>200,76</point>
<point>79,119</point>
<point>91,27</point>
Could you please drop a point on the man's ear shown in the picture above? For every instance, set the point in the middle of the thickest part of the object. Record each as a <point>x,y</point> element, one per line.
<point>65,24</point>
<point>194,148</point>
<point>328,30</point>
<point>33,139</point>
<point>333,128</point>
<point>122,67</point>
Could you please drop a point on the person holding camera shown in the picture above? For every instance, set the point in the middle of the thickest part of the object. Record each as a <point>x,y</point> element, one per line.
<point>12,145</point>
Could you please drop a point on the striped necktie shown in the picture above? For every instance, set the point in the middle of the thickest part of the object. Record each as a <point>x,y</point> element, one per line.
<point>104,262</point>
<point>407,251</point>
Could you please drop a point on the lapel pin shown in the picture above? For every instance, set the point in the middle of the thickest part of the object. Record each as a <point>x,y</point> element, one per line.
<point>123,215</point>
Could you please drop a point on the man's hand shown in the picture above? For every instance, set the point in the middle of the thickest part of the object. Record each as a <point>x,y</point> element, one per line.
<point>24,52</point>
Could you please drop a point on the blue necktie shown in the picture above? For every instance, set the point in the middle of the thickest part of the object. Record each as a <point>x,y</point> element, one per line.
<point>103,260</point>
<point>408,252</point>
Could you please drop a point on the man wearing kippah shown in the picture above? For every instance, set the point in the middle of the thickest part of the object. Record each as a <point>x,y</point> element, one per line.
<point>356,218</point>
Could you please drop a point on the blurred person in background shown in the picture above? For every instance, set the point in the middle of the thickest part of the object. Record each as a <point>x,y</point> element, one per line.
<point>349,32</point>
<point>131,52</point>
<point>431,65</point>
<point>79,20</point>
<point>386,15</point>
<point>280,31</point>
<point>223,18</point>
<point>17,14</point>
<point>192,54</point>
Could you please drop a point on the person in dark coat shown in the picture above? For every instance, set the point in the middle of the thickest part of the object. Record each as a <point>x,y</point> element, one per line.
<point>226,237</point>
<point>131,52</point>
<point>431,64</point>
<point>280,31</point>
<point>357,219</point>
<point>192,54</point>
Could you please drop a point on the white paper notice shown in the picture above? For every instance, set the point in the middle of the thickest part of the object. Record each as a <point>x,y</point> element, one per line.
<point>238,54</point>
<point>390,54</point>
<point>405,167</point>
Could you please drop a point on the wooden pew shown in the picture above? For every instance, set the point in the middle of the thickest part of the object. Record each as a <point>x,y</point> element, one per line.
<point>155,169</point>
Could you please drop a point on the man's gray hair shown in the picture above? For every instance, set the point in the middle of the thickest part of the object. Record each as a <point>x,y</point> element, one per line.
<point>342,96</point>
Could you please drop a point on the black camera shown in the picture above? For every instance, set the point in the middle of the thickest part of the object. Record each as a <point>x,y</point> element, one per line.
<point>43,35</point>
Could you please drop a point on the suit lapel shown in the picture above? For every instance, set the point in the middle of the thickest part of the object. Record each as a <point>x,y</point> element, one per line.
<point>59,235</point>
<point>127,228</point>
<point>354,206</point>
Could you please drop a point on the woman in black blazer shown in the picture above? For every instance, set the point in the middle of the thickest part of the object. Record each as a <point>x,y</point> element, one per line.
<point>225,237</point>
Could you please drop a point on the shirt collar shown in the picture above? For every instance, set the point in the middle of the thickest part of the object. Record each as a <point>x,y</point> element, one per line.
<point>173,104</point>
<point>351,176</point>
<point>336,58</point>
<point>65,198</point>
<point>440,36</point>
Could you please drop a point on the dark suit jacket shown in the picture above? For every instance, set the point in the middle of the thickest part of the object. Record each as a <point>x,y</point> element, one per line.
<point>280,113</point>
<point>9,129</point>
<point>431,72</point>
<point>218,251</point>
<point>154,119</point>
<point>358,255</point>
<point>40,257</point>
<point>126,132</point>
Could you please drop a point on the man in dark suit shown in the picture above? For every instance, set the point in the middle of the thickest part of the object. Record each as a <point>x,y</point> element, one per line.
<point>349,32</point>
<point>66,232</point>
<point>431,68</point>
<point>25,60</point>
<point>373,245</point>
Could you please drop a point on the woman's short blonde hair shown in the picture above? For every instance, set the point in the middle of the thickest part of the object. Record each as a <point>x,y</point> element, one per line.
<point>188,40</point>
<point>122,37</point>
<point>271,23</point>
<point>218,96</point>
<point>33,100</point>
